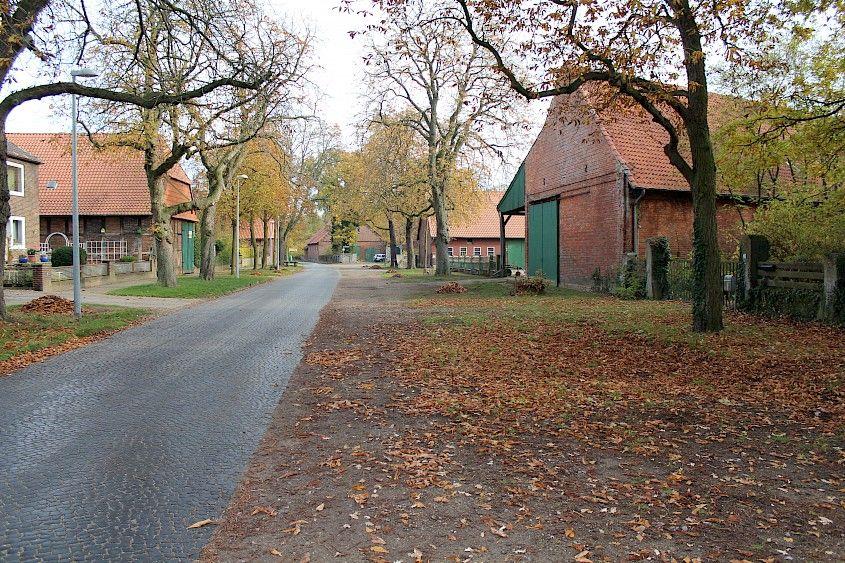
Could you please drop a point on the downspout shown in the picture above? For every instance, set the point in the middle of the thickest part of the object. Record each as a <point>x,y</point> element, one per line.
<point>638,194</point>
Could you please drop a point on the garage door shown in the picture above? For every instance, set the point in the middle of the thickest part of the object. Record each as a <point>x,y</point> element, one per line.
<point>543,239</point>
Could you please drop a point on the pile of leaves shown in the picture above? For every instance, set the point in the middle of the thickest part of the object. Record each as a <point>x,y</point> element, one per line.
<point>529,285</point>
<point>451,287</point>
<point>49,305</point>
<point>374,267</point>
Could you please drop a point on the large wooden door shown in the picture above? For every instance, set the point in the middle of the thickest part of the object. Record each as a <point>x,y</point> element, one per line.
<point>543,240</point>
<point>187,248</point>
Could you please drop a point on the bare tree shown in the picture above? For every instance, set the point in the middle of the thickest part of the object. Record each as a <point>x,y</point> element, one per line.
<point>446,90</point>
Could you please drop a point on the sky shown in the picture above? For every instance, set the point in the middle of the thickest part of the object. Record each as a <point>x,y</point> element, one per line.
<point>338,77</point>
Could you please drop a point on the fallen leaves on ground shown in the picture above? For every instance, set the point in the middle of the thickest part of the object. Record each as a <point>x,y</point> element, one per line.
<point>49,305</point>
<point>451,287</point>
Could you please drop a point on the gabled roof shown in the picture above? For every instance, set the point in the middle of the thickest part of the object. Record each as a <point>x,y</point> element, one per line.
<point>485,223</point>
<point>112,181</point>
<point>365,234</point>
<point>636,140</point>
<point>321,234</point>
<point>14,151</point>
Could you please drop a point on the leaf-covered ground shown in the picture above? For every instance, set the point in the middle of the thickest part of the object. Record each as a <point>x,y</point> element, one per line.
<point>564,427</point>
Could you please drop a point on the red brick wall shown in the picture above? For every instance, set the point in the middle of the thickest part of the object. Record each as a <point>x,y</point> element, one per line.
<point>26,206</point>
<point>571,160</point>
<point>669,214</point>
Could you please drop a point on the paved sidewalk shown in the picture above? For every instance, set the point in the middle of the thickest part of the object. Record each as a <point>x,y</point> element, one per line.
<point>110,451</point>
<point>99,296</point>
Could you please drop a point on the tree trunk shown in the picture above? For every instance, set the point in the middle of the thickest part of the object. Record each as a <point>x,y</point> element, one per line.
<point>5,210</point>
<point>208,242</point>
<point>441,238</point>
<point>162,234</point>
<point>265,252</point>
<point>409,243</point>
<point>706,282</point>
<point>253,242</point>
<point>235,257</point>
<point>706,285</point>
<point>392,230</point>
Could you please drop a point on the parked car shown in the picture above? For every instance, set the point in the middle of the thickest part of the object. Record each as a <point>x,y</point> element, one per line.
<point>379,258</point>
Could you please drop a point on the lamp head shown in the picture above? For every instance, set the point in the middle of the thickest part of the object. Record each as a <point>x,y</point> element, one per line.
<point>83,72</point>
<point>242,177</point>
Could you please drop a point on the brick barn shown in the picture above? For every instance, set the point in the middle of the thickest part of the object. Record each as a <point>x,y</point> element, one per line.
<point>479,236</point>
<point>595,186</point>
<point>114,201</point>
<point>368,245</point>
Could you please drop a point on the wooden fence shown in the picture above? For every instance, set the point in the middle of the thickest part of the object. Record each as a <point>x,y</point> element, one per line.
<point>476,265</point>
<point>792,275</point>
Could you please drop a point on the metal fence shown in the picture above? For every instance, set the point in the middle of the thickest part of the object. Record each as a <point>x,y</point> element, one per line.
<point>17,275</point>
<point>680,279</point>
<point>476,265</point>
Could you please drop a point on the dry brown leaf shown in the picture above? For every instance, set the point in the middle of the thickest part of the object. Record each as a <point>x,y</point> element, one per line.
<point>201,523</point>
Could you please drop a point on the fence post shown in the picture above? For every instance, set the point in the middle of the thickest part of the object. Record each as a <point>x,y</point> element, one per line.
<point>832,307</point>
<point>754,249</point>
<point>42,277</point>
<point>657,268</point>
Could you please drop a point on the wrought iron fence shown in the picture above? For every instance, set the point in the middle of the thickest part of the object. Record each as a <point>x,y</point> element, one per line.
<point>680,279</point>
<point>17,275</point>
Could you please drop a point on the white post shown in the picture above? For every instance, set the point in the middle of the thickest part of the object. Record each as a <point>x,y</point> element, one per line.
<point>237,249</point>
<point>77,279</point>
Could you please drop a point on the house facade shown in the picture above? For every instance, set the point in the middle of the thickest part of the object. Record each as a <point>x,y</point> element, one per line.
<point>595,186</point>
<point>114,200</point>
<point>22,229</point>
<point>479,236</point>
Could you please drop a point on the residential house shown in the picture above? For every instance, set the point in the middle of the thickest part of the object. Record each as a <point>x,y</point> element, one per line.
<point>22,227</point>
<point>596,185</point>
<point>479,236</point>
<point>368,245</point>
<point>114,200</point>
<point>258,230</point>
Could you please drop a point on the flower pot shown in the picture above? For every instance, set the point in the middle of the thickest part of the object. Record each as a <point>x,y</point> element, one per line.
<point>32,258</point>
<point>22,259</point>
<point>45,258</point>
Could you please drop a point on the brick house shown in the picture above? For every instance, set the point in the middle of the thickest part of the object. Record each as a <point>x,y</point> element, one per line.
<point>479,236</point>
<point>114,201</point>
<point>22,232</point>
<point>595,186</point>
<point>258,229</point>
<point>369,243</point>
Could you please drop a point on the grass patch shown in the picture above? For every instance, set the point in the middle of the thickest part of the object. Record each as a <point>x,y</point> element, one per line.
<point>27,333</point>
<point>196,288</point>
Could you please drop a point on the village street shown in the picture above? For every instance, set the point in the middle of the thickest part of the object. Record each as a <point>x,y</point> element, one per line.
<point>112,450</point>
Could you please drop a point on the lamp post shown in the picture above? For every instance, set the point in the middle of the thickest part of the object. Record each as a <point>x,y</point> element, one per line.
<point>237,250</point>
<point>77,275</point>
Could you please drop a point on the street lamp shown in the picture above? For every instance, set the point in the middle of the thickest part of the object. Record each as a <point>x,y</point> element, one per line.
<point>237,250</point>
<point>77,277</point>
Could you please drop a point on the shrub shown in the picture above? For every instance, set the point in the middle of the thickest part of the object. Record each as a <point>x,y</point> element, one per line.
<point>30,252</point>
<point>633,280</point>
<point>529,285</point>
<point>63,256</point>
<point>128,258</point>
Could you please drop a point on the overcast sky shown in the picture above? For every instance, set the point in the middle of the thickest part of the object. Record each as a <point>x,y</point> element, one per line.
<point>338,78</point>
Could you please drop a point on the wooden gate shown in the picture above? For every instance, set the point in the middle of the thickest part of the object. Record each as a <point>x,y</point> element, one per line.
<point>543,240</point>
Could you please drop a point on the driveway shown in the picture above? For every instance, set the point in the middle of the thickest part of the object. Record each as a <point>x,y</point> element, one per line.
<point>111,451</point>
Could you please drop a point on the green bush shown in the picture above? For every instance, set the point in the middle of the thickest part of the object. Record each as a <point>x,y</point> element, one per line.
<point>633,280</point>
<point>529,285</point>
<point>799,304</point>
<point>128,258</point>
<point>63,256</point>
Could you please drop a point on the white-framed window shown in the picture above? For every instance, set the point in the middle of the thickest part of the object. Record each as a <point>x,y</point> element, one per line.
<point>463,251</point>
<point>16,232</point>
<point>449,251</point>
<point>16,178</point>
<point>491,251</point>
<point>476,251</point>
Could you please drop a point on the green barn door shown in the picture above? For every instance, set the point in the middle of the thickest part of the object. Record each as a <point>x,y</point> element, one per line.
<point>543,239</point>
<point>187,248</point>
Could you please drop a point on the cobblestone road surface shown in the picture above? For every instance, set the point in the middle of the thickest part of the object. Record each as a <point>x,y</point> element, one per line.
<point>108,452</point>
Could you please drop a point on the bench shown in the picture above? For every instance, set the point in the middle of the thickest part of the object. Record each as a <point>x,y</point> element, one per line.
<point>291,263</point>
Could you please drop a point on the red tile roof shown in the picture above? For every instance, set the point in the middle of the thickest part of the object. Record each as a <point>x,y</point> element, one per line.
<point>320,235</point>
<point>259,229</point>
<point>485,224</point>
<point>638,141</point>
<point>365,234</point>
<point>111,181</point>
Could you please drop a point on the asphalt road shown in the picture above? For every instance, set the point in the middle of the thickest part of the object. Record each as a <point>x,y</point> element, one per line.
<point>109,452</point>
